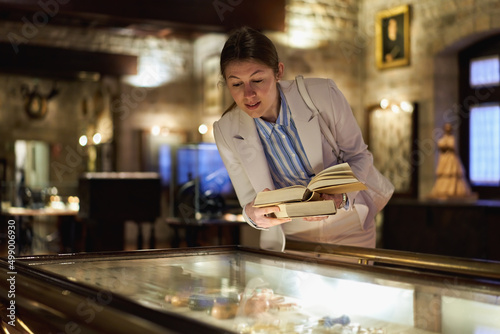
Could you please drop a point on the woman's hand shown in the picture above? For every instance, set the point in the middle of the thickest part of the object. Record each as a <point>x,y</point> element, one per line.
<point>263,217</point>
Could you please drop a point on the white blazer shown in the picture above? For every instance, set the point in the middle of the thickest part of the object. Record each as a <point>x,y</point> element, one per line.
<point>242,152</point>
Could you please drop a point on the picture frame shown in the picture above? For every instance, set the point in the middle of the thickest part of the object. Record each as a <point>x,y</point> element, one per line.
<point>395,156</point>
<point>392,37</point>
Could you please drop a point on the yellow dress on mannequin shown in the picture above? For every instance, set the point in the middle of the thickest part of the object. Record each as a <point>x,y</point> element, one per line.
<point>450,176</point>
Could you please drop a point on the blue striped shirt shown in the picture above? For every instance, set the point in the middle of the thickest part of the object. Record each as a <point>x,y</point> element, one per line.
<point>285,154</point>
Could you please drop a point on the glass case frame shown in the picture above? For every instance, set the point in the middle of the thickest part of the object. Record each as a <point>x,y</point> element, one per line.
<point>49,299</point>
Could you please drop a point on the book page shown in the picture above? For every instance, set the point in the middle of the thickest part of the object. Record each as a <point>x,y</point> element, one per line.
<point>330,182</point>
<point>342,175</point>
<point>337,171</point>
<point>341,188</point>
<point>311,196</point>
<point>273,197</point>
<point>335,176</point>
<point>340,168</point>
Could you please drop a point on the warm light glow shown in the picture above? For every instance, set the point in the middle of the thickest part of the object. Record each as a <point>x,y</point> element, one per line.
<point>407,106</point>
<point>73,203</point>
<point>55,198</point>
<point>73,199</point>
<point>384,103</point>
<point>304,31</point>
<point>202,129</point>
<point>300,38</point>
<point>155,130</point>
<point>151,72</point>
<point>97,138</point>
<point>83,140</point>
<point>56,203</point>
<point>395,108</point>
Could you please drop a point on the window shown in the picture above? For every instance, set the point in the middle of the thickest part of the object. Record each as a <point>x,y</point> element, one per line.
<point>485,71</point>
<point>479,127</point>
<point>484,165</point>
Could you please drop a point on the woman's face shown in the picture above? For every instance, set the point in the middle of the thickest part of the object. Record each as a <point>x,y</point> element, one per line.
<point>253,87</point>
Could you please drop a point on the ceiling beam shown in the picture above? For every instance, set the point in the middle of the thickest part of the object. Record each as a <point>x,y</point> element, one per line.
<point>194,15</point>
<point>54,62</point>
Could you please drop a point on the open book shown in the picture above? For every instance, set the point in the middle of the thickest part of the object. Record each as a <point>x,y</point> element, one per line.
<point>305,201</point>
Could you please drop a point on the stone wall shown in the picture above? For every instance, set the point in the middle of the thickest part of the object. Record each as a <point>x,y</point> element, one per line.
<point>345,34</point>
<point>136,109</point>
<point>439,29</point>
<point>338,42</point>
<point>317,43</point>
<point>60,127</point>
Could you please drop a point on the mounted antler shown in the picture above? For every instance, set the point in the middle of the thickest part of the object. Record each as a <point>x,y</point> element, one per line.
<point>35,104</point>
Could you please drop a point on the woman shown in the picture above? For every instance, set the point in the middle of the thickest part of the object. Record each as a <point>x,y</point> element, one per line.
<point>269,139</point>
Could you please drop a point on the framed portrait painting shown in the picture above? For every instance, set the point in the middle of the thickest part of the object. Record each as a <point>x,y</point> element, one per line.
<point>392,37</point>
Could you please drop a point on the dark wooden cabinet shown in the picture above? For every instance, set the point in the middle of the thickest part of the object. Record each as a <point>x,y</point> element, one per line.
<point>463,229</point>
<point>107,200</point>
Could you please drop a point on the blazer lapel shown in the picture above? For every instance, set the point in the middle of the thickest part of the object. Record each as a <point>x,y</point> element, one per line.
<point>310,136</point>
<point>307,126</point>
<point>252,154</point>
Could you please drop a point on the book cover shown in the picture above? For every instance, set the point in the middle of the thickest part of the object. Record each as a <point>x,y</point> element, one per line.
<point>306,209</point>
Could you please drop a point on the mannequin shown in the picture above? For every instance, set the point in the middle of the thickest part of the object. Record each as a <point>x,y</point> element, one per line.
<point>450,176</point>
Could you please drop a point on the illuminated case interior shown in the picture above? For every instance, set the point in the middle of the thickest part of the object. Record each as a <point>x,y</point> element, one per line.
<point>234,289</point>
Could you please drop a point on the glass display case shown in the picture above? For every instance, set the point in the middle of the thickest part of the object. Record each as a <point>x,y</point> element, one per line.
<point>240,290</point>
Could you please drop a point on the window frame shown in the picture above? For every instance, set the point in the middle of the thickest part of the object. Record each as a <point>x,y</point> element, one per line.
<point>475,96</point>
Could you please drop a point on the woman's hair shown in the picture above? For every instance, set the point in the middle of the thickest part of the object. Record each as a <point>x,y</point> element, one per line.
<point>246,43</point>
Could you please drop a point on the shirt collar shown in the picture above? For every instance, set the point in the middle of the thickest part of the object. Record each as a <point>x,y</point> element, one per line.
<point>283,117</point>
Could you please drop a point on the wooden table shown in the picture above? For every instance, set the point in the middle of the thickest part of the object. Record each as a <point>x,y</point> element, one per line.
<point>66,221</point>
<point>15,211</point>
